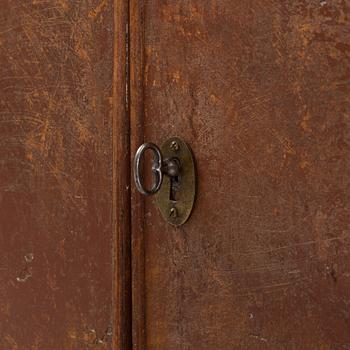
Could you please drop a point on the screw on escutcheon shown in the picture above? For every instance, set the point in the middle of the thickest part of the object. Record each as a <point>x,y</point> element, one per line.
<point>173,213</point>
<point>174,146</point>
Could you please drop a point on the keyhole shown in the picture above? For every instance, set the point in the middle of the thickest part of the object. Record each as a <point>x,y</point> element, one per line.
<point>174,187</point>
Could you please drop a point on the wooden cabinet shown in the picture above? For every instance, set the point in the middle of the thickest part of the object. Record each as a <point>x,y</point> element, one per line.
<point>57,233</point>
<point>259,90</point>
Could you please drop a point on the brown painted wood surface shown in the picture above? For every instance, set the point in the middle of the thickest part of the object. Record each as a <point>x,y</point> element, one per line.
<point>260,90</point>
<point>57,225</point>
<point>121,183</point>
<point>136,58</point>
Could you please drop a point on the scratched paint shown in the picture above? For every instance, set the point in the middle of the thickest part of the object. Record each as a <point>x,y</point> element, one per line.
<point>260,90</point>
<point>55,174</point>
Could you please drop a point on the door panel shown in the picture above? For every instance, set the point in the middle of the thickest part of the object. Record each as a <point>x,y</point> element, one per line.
<point>56,194</point>
<point>260,90</point>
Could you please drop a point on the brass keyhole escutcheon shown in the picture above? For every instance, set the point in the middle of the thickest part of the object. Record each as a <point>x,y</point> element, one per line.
<point>174,179</point>
<point>176,196</point>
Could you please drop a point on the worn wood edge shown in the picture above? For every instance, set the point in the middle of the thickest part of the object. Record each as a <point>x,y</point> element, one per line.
<point>121,184</point>
<point>136,54</point>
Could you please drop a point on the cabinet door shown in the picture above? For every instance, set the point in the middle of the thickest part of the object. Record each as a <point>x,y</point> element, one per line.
<point>57,193</point>
<point>260,91</point>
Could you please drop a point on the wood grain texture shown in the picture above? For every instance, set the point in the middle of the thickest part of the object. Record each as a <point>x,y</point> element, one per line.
<point>57,229</point>
<point>136,81</point>
<point>121,183</point>
<point>260,90</point>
